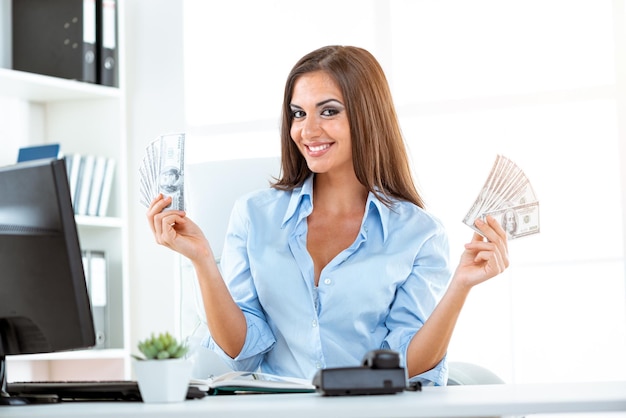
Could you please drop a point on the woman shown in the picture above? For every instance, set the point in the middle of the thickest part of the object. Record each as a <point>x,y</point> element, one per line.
<point>339,257</point>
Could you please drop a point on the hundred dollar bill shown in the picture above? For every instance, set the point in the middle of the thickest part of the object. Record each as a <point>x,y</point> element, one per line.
<point>506,193</point>
<point>162,171</point>
<point>171,170</point>
<point>482,201</point>
<point>518,221</point>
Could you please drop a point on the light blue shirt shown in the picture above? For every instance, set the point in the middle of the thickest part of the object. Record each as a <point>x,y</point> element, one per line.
<point>375,294</point>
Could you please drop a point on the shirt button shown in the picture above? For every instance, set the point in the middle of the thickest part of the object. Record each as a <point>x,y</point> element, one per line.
<point>318,365</point>
<point>314,323</point>
<point>327,281</point>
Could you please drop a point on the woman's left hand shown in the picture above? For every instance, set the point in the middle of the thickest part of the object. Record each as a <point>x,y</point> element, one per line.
<point>485,256</point>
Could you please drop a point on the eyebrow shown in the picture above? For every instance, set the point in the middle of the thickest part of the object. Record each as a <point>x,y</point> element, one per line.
<point>322,103</point>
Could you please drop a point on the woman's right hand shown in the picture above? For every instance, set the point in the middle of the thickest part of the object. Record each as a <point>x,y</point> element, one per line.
<point>173,229</point>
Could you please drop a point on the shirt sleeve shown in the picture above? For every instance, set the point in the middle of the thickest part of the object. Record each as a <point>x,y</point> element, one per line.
<point>235,267</point>
<point>416,299</point>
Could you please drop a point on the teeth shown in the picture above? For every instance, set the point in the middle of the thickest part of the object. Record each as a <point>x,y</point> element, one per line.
<point>319,147</point>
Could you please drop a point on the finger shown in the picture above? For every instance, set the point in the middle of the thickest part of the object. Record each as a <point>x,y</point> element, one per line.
<point>156,206</point>
<point>491,262</point>
<point>485,228</point>
<point>502,241</point>
<point>156,199</point>
<point>171,218</point>
<point>490,253</point>
<point>495,225</point>
<point>157,212</point>
<point>159,203</point>
<point>168,222</point>
<point>162,228</point>
<point>492,230</point>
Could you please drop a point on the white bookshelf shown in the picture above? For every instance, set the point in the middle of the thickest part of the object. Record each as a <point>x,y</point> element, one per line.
<point>43,89</point>
<point>86,119</point>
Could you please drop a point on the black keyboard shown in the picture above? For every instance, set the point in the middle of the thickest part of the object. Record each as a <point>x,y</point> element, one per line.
<point>105,390</point>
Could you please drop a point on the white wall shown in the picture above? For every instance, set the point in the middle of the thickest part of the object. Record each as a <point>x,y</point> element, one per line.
<point>536,81</point>
<point>155,105</point>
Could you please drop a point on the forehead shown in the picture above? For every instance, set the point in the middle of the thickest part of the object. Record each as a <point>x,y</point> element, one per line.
<point>316,85</point>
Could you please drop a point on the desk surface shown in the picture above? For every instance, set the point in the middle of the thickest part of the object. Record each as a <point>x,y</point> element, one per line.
<point>451,401</point>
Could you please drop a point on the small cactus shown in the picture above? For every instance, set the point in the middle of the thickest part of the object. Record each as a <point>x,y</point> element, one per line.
<point>162,347</point>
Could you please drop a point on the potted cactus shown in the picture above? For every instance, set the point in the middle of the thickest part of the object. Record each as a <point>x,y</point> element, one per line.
<point>163,373</point>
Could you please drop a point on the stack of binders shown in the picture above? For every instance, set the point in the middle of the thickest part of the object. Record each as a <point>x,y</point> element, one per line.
<point>95,267</point>
<point>73,39</point>
<point>91,179</point>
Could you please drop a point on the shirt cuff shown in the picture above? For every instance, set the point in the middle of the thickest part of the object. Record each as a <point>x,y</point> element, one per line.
<point>257,343</point>
<point>437,376</point>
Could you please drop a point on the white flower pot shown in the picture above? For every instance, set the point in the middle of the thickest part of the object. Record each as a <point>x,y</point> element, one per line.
<point>163,381</point>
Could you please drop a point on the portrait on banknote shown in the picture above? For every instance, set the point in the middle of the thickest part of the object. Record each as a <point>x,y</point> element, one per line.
<point>162,171</point>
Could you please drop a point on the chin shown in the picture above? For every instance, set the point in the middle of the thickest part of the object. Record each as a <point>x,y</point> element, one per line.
<point>317,168</point>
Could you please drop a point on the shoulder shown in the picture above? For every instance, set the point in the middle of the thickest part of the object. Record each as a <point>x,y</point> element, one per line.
<point>262,197</point>
<point>262,201</point>
<point>407,214</point>
<point>415,228</point>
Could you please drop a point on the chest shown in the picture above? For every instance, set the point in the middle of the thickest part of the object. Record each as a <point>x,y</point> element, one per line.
<point>328,236</point>
<point>351,265</point>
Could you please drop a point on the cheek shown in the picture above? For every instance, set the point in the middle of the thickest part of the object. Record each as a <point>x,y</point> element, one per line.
<point>295,133</point>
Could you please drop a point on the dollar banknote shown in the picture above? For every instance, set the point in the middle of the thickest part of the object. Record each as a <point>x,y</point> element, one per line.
<point>508,196</point>
<point>162,171</point>
<point>518,221</point>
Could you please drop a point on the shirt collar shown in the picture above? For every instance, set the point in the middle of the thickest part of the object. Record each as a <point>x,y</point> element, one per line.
<point>300,204</point>
<point>374,205</point>
<point>301,198</point>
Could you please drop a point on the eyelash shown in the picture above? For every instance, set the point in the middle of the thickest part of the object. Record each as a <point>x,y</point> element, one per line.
<point>328,112</point>
<point>333,111</point>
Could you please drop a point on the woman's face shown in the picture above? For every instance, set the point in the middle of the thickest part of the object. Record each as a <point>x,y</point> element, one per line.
<point>320,127</point>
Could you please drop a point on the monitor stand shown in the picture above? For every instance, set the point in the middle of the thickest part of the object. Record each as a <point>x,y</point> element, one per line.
<point>8,399</point>
<point>5,398</point>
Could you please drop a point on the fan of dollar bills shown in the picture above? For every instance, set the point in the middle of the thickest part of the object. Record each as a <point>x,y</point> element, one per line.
<point>507,196</point>
<point>162,171</point>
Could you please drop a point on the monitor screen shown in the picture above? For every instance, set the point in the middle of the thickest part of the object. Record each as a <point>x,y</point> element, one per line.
<point>44,305</point>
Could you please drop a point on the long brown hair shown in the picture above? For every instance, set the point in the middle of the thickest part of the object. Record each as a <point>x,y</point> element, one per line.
<point>379,154</point>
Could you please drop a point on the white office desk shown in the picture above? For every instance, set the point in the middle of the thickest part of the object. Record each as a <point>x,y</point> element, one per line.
<point>451,401</point>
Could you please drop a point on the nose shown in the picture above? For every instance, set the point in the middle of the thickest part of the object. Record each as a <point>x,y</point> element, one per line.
<point>311,128</point>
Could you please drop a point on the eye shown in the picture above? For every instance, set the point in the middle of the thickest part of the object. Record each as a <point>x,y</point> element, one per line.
<point>330,111</point>
<point>297,114</point>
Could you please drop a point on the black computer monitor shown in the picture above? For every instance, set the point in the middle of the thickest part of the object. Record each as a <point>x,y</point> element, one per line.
<point>44,305</point>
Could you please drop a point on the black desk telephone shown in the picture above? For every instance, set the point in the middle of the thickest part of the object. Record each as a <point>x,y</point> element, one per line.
<point>380,373</point>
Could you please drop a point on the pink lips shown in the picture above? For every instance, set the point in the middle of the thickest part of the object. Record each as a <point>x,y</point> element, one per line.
<point>318,149</point>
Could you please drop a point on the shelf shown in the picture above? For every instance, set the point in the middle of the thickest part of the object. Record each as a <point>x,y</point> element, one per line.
<point>107,353</point>
<point>42,88</point>
<point>98,221</point>
<point>87,119</point>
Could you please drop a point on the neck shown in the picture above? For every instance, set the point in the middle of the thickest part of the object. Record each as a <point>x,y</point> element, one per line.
<point>338,194</point>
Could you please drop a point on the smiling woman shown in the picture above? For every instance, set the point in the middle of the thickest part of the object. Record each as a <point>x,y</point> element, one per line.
<point>354,80</point>
<point>341,233</point>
